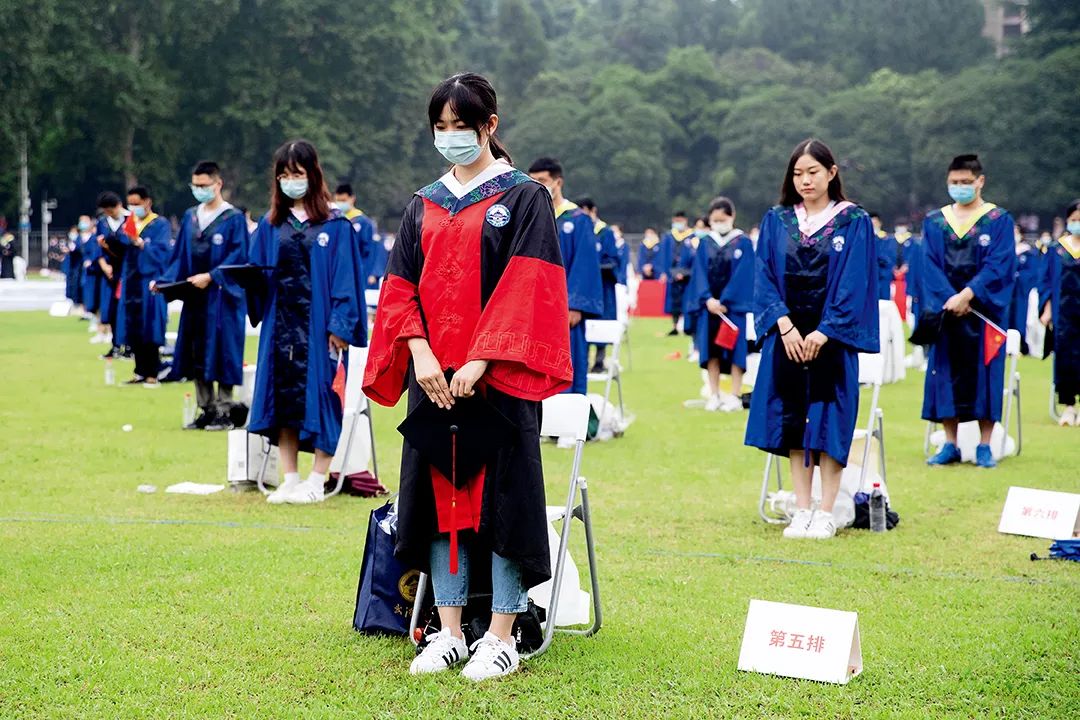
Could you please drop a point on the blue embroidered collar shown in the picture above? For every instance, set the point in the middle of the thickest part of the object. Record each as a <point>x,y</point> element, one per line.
<point>438,193</point>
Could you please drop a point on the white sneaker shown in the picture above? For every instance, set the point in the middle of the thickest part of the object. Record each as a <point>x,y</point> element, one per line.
<point>731,404</point>
<point>713,403</point>
<point>1068,417</point>
<point>491,658</point>
<point>442,652</point>
<point>799,524</point>
<point>283,491</point>
<point>308,492</point>
<point>822,527</point>
<point>97,339</point>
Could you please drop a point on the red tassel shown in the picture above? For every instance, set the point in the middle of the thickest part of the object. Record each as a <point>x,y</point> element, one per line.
<point>453,504</point>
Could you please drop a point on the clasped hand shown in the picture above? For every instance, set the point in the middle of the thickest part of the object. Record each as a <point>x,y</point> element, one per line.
<point>430,377</point>
<point>800,349</point>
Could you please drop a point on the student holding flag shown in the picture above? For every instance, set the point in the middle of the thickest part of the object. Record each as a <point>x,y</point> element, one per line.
<point>148,237</point>
<point>967,277</point>
<point>722,287</point>
<point>1059,298</point>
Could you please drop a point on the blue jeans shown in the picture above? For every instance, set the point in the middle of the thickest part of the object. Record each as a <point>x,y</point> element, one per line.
<point>508,595</point>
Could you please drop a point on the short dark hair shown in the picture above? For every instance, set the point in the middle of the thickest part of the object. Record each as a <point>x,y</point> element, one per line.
<point>108,199</point>
<point>1072,207</point>
<point>546,164</point>
<point>966,162</point>
<point>818,150</point>
<point>650,227</point>
<point>586,203</point>
<point>874,214</point>
<point>721,203</point>
<point>207,167</point>
<point>139,190</point>
<point>680,213</point>
<point>344,189</point>
<point>473,100</point>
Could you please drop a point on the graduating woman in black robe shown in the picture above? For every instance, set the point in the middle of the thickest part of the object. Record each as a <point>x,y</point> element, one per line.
<point>474,285</point>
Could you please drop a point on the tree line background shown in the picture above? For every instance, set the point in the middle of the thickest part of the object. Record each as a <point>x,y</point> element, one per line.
<point>652,105</point>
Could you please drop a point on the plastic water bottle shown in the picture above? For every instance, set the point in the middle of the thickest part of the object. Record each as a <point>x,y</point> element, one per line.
<point>110,374</point>
<point>189,410</point>
<point>877,509</point>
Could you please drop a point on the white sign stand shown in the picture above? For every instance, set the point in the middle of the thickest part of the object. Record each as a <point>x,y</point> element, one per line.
<point>801,642</point>
<point>1040,513</point>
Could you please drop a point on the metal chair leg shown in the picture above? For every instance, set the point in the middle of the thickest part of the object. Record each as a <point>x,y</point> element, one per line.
<point>418,605</point>
<point>260,479</point>
<point>881,442</point>
<point>1019,419</point>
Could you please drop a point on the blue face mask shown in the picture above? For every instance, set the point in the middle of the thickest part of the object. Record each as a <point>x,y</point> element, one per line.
<point>84,226</point>
<point>458,146</point>
<point>202,194</point>
<point>962,194</point>
<point>140,211</point>
<point>1073,227</point>
<point>295,189</point>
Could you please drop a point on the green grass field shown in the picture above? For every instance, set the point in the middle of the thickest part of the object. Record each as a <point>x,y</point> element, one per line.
<point>116,604</point>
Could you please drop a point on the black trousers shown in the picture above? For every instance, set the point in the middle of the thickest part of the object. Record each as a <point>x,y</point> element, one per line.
<point>147,360</point>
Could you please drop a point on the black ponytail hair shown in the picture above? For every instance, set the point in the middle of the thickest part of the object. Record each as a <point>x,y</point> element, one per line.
<point>473,100</point>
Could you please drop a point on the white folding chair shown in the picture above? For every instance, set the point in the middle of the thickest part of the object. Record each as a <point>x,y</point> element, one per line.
<point>871,373</point>
<point>357,411</point>
<point>607,332</point>
<point>622,314</point>
<point>565,415</point>
<point>1011,397</point>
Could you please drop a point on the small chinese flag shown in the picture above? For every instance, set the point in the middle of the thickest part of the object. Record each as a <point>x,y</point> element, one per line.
<point>129,227</point>
<point>728,334</point>
<point>993,339</point>
<point>338,385</point>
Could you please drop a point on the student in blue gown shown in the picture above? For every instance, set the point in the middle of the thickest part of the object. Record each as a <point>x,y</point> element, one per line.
<point>622,250</point>
<point>88,287</point>
<point>722,283</point>
<point>73,270</point>
<point>210,342</point>
<point>681,258</point>
<point>577,240</point>
<point>886,257</point>
<point>109,266</point>
<point>144,313</point>
<point>815,300</point>
<point>1028,272</point>
<point>363,228</point>
<point>311,309</point>
<point>654,256</point>
<point>969,263</point>
<point>608,251</point>
<point>1059,298</point>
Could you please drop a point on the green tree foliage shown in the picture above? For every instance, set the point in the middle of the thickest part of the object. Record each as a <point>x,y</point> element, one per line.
<point>650,104</point>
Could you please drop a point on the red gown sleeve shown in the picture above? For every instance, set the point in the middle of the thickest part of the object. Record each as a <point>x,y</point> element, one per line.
<point>398,317</point>
<point>524,329</point>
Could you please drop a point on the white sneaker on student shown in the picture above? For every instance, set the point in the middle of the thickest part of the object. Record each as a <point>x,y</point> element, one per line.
<point>713,403</point>
<point>1068,417</point>
<point>308,492</point>
<point>799,524</point>
<point>491,658</point>
<point>284,489</point>
<point>731,404</point>
<point>442,652</point>
<point>822,527</point>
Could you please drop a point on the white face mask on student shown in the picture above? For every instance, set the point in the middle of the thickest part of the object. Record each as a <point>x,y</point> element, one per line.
<point>722,227</point>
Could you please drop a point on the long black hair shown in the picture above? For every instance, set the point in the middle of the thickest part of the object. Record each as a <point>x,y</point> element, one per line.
<point>818,150</point>
<point>292,156</point>
<point>473,100</point>
<point>1073,207</point>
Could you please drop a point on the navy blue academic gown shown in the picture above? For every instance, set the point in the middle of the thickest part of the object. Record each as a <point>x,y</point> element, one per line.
<point>682,261</point>
<point>723,269</point>
<point>958,383</point>
<point>577,241</point>
<point>624,262</point>
<point>609,268</point>
<point>91,280</point>
<point>144,313</point>
<point>106,288</point>
<point>1027,275</point>
<point>658,256</point>
<point>210,341</point>
<point>311,294</point>
<point>1060,286</point>
<point>886,262</point>
<point>364,232</point>
<point>74,268</point>
<point>826,282</point>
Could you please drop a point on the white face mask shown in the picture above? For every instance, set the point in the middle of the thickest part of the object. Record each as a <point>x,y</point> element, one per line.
<point>723,227</point>
<point>460,147</point>
<point>295,189</point>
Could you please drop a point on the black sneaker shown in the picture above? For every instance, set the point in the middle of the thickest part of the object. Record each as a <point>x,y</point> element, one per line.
<point>238,414</point>
<point>113,354</point>
<point>598,369</point>
<point>219,423</point>
<point>201,422</point>
<point>135,380</point>
<point>674,332</point>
